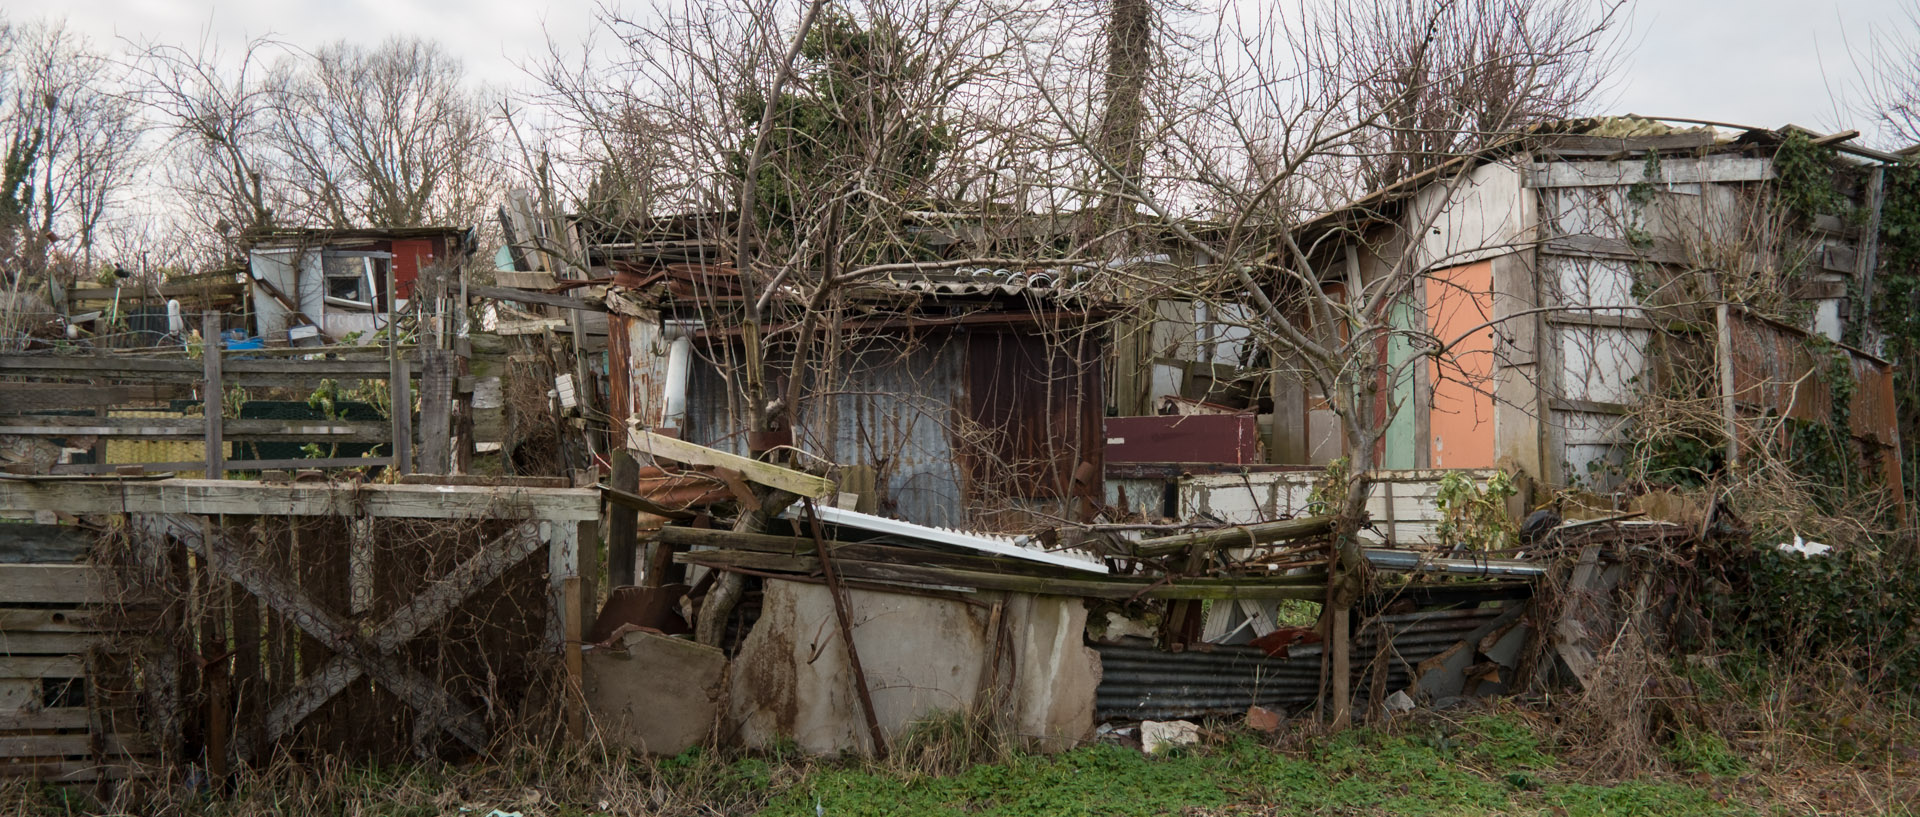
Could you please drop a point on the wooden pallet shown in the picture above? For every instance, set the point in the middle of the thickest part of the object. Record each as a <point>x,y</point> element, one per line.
<point>58,722</point>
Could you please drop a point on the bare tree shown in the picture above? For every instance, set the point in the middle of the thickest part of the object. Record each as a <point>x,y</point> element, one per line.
<point>1434,78</point>
<point>1887,77</point>
<point>217,117</point>
<point>66,100</point>
<point>386,136</point>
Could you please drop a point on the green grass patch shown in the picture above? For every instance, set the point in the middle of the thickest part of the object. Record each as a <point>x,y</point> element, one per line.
<point>1485,765</point>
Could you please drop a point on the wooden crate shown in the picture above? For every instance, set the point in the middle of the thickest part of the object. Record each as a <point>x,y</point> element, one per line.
<point>65,710</point>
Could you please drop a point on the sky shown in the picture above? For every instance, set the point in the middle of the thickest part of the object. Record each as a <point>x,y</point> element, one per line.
<point>1753,62</point>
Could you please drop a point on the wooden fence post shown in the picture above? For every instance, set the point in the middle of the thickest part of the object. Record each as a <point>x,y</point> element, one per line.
<point>213,395</point>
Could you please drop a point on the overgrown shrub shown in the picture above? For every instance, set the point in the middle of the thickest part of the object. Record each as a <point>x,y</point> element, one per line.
<point>1858,606</point>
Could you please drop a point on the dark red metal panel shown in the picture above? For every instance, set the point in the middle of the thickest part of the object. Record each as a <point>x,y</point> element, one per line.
<point>1210,438</point>
<point>1034,403</point>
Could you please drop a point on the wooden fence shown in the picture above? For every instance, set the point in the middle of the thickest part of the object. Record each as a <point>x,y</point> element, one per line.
<point>300,620</point>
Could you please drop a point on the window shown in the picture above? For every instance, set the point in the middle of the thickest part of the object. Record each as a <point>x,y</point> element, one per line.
<point>356,279</point>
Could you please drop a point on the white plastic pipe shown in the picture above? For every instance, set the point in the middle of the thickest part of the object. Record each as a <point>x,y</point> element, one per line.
<point>679,361</point>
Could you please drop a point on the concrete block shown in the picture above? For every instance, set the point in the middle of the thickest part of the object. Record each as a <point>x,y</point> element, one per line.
<point>655,694</point>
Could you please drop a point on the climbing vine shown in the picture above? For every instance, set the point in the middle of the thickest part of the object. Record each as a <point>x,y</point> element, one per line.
<point>1897,315</point>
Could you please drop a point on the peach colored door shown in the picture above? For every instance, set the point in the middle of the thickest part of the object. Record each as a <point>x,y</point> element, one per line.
<point>1460,416</point>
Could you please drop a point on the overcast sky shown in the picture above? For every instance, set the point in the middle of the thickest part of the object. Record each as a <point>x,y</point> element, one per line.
<point>1759,62</point>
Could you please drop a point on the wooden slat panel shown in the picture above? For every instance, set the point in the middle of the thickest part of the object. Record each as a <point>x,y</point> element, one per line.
<point>70,745</point>
<point>40,620</point>
<point>50,584</point>
<point>205,497</point>
<point>13,643</point>
<point>70,771</point>
<point>70,717</point>
<point>195,428</point>
<point>42,667</point>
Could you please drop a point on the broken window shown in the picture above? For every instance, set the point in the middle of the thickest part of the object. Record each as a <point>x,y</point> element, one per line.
<point>356,279</point>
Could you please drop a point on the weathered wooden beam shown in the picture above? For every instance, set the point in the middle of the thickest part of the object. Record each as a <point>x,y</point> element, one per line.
<point>197,428</point>
<point>440,598</point>
<point>30,397</point>
<point>859,551</point>
<point>541,298</point>
<point>1235,536</point>
<point>1310,585</point>
<point>806,485</point>
<point>45,543</point>
<point>213,392</point>
<point>51,584</point>
<point>232,465</point>
<point>288,599</point>
<point>133,368</point>
<point>212,497</point>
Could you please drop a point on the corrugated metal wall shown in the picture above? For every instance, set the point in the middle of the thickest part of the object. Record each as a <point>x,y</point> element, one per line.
<point>1140,681</point>
<point>894,408</point>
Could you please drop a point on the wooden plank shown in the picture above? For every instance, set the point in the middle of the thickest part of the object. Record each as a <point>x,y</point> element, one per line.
<point>194,429</point>
<point>72,745</point>
<point>43,620</point>
<point>66,717</point>
<point>1309,586</point>
<point>74,771</point>
<point>529,327</point>
<point>47,544</point>
<point>232,465</point>
<point>523,280</point>
<point>623,523</point>
<point>50,584</point>
<point>13,643</point>
<point>541,298</point>
<point>212,497</point>
<point>641,441</point>
<point>28,397</point>
<point>214,393</point>
<point>130,367</point>
<point>436,413</point>
<point>62,666</point>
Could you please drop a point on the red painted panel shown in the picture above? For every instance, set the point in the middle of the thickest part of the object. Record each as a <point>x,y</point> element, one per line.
<point>1232,439</point>
<point>409,256</point>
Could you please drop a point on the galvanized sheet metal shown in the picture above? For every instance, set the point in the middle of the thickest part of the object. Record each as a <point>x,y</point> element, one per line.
<point>1139,681</point>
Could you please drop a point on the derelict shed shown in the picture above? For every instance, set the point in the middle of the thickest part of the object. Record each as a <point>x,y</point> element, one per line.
<point>1602,269</point>
<point>949,398</point>
<point>310,283</point>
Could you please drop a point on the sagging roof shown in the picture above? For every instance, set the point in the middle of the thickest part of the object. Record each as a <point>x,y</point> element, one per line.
<point>312,237</point>
<point>1595,138</point>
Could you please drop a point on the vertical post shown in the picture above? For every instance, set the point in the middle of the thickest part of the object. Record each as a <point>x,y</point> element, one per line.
<point>623,523</point>
<point>1729,408</point>
<point>213,393</point>
<point>1342,670</point>
<point>575,661</point>
<point>436,411</point>
<point>398,393</point>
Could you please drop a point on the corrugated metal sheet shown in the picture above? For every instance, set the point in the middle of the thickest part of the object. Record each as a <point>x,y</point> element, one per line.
<point>1140,681</point>
<point>1776,370</point>
<point>894,408</point>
